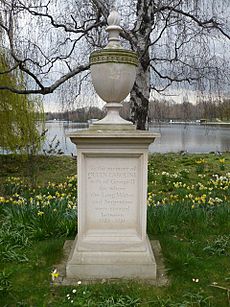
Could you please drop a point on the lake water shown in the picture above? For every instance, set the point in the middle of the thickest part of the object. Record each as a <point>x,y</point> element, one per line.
<point>174,138</point>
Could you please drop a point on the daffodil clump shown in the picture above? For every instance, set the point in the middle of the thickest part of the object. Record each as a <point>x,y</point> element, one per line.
<point>49,210</point>
<point>207,192</point>
<point>200,165</point>
<point>187,197</point>
<point>222,164</point>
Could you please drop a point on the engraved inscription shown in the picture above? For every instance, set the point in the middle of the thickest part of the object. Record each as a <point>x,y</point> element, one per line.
<point>112,192</point>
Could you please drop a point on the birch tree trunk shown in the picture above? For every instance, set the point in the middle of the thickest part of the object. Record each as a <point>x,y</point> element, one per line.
<point>139,96</point>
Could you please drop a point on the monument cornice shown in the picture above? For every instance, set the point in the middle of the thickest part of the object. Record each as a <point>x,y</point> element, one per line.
<point>113,137</point>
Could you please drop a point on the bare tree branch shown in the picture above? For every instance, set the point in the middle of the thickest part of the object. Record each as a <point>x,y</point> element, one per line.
<point>211,23</point>
<point>44,90</point>
<point>76,29</point>
<point>9,70</point>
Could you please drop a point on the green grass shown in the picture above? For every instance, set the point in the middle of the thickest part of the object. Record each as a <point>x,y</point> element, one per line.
<point>194,234</point>
<point>45,169</point>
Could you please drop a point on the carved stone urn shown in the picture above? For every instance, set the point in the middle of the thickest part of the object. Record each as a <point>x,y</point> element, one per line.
<point>112,159</point>
<point>113,71</point>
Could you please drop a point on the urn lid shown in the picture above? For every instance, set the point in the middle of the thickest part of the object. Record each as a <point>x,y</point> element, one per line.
<point>113,52</point>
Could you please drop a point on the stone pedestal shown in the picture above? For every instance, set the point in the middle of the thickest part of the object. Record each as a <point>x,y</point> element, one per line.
<point>112,192</point>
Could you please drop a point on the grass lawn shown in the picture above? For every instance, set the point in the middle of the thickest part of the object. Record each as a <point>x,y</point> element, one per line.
<point>188,212</point>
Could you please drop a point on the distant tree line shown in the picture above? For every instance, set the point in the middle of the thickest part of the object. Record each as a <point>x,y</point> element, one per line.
<point>79,115</point>
<point>159,110</point>
<point>164,110</point>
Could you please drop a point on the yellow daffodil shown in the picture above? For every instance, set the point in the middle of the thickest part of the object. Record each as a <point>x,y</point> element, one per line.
<point>54,274</point>
<point>40,213</point>
<point>2,199</point>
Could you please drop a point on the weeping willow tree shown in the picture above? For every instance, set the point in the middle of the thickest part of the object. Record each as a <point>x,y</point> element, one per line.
<point>19,116</point>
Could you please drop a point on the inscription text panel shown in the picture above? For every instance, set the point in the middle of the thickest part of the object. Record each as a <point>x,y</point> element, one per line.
<point>112,192</point>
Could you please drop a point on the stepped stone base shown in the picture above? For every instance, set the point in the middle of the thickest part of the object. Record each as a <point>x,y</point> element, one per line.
<point>131,261</point>
<point>160,280</point>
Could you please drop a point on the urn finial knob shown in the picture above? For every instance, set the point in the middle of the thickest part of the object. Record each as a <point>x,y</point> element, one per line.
<point>114,18</point>
<point>114,30</point>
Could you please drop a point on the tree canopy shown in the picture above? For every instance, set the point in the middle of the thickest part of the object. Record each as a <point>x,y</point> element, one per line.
<point>177,41</point>
<point>18,114</point>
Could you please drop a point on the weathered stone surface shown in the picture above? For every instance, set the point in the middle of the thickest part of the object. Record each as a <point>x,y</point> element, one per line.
<point>161,276</point>
<point>112,178</point>
<point>112,187</point>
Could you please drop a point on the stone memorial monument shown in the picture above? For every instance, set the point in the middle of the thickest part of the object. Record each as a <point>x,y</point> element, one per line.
<point>112,161</point>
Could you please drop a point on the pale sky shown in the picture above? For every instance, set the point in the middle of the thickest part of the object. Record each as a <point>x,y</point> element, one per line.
<point>52,102</point>
<point>51,105</point>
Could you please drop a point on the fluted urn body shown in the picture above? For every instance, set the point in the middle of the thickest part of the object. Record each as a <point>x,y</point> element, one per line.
<point>113,73</point>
